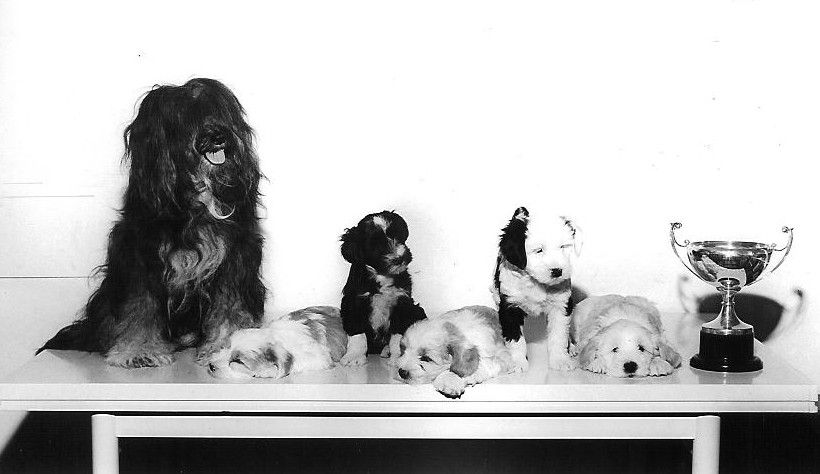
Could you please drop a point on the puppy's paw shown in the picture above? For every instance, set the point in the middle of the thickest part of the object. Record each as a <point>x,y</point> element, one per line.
<point>353,360</point>
<point>572,349</point>
<point>206,354</point>
<point>659,366</point>
<point>597,366</point>
<point>138,359</point>
<point>519,364</point>
<point>449,384</point>
<point>385,352</point>
<point>563,362</point>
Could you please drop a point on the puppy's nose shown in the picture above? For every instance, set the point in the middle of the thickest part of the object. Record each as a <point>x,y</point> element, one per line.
<point>556,272</point>
<point>403,373</point>
<point>630,367</point>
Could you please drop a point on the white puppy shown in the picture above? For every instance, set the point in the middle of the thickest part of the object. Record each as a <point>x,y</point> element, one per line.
<point>622,336</point>
<point>307,339</point>
<point>533,278</point>
<point>457,349</point>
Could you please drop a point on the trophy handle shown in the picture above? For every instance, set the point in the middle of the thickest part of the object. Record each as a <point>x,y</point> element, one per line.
<point>675,245</point>
<point>786,249</point>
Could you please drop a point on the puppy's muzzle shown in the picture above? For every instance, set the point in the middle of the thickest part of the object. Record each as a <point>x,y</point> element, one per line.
<point>556,272</point>
<point>630,367</point>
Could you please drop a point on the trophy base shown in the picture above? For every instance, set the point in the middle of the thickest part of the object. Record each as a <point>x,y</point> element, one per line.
<point>726,353</point>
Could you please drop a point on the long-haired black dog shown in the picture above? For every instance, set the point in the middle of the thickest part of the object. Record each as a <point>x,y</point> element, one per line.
<point>183,260</point>
<point>377,306</point>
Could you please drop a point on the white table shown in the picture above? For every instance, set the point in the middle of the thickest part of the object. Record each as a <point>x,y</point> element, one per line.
<point>329,404</point>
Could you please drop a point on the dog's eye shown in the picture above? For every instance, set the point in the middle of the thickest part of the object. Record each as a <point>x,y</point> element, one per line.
<point>641,348</point>
<point>538,250</point>
<point>566,246</point>
<point>614,349</point>
<point>237,360</point>
<point>425,358</point>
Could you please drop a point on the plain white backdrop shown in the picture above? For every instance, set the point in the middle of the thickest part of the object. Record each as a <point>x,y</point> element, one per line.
<point>624,115</point>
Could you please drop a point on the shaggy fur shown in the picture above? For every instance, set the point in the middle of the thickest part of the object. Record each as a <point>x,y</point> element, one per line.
<point>183,259</point>
<point>533,278</point>
<point>622,336</point>
<point>307,339</point>
<point>460,348</point>
<point>377,302</point>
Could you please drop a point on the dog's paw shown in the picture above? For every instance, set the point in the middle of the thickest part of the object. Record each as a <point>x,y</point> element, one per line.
<point>563,362</point>
<point>449,384</point>
<point>597,366</point>
<point>206,354</point>
<point>572,349</point>
<point>385,352</point>
<point>353,360</point>
<point>138,359</point>
<point>519,364</point>
<point>659,366</point>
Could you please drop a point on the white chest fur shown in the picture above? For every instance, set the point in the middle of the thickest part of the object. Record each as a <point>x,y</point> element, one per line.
<point>533,297</point>
<point>382,303</point>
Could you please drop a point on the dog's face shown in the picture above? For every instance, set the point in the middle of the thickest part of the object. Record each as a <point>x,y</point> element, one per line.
<point>430,347</point>
<point>379,241</point>
<point>190,146</point>
<point>250,355</point>
<point>542,248</point>
<point>622,349</point>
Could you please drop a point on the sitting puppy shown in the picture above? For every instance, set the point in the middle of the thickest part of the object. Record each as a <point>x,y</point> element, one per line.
<point>622,336</point>
<point>307,339</point>
<point>459,348</point>
<point>532,278</point>
<point>377,306</point>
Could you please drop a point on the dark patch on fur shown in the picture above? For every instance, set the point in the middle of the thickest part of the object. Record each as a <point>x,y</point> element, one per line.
<point>513,237</point>
<point>163,212</point>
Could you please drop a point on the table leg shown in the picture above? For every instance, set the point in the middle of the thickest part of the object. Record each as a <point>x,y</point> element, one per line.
<point>104,444</point>
<point>706,445</point>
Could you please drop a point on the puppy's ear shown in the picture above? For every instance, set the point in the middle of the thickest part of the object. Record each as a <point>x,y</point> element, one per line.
<point>513,237</point>
<point>398,228</point>
<point>577,235</point>
<point>351,245</point>
<point>281,359</point>
<point>589,352</point>
<point>465,360</point>
<point>667,353</point>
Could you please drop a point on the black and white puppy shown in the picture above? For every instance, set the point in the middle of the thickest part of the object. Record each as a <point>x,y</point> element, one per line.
<point>377,306</point>
<point>533,278</point>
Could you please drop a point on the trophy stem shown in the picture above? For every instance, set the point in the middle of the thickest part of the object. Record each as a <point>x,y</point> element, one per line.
<point>727,321</point>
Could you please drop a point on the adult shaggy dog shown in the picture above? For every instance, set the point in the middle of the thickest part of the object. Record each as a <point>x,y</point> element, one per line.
<point>183,260</point>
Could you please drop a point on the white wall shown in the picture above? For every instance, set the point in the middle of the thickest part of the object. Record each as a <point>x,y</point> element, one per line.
<point>625,115</point>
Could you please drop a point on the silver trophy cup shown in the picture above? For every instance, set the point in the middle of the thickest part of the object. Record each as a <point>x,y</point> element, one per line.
<point>726,342</point>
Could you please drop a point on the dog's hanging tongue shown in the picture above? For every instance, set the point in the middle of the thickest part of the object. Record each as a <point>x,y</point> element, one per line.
<point>215,157</point>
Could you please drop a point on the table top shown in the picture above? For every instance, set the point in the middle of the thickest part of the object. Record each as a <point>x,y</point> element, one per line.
<point>77,381</point>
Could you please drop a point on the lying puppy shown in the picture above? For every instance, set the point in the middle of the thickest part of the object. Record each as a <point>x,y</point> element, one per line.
<point>459,348</point>
<point>377,306</point>
<point>307,339</point>
<point>532,278</point>
<point>622,336</point>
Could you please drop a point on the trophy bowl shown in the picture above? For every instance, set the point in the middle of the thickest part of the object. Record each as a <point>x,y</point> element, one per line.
<point>726,342</point>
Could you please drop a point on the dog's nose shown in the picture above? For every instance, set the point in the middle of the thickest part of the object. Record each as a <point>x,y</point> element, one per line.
<point>403,373</point>
<point>630,367</point>
<point>556,272</point>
